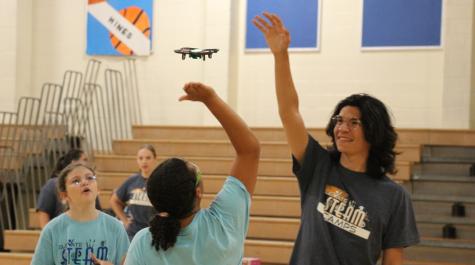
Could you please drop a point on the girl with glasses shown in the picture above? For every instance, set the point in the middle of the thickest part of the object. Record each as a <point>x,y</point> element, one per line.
<point>83,234</point>
<point>183,233</point>
<point>49,205</point>
<point>351,210</point>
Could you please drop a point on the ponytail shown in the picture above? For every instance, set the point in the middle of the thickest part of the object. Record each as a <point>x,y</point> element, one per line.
<point>164,231</point>
<point>171,190</point>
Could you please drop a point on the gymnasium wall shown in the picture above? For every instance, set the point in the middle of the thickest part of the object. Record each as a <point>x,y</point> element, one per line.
<point>472,68</point>
<point>423,88</point>
<point>8,53</point>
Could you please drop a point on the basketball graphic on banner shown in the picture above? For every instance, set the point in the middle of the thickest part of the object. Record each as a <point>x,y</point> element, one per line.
<point>139,18</point>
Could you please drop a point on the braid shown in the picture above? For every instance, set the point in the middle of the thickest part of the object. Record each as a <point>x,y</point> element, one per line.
<point>171,190</point>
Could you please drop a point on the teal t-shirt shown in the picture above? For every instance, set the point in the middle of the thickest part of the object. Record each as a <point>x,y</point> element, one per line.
<point>215,236</point>
<point>64,241</point>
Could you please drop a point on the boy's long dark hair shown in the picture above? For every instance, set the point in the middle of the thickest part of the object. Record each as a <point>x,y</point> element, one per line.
<point>171,190</point>
<point>378,132</point>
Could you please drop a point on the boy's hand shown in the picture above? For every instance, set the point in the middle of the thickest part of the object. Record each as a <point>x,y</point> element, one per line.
<point>275,33</point>
<point>197,92</point>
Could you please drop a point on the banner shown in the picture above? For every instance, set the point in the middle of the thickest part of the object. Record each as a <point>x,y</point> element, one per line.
<point>119,27</point>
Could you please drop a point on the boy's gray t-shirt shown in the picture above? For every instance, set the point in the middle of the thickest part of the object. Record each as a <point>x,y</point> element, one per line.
<point>348,217</point>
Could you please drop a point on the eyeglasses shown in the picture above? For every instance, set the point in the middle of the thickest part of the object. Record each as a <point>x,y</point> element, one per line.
<point>77,180</point>
<point>350,123</point>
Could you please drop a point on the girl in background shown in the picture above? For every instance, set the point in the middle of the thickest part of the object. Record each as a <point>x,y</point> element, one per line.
<point>130,202</point>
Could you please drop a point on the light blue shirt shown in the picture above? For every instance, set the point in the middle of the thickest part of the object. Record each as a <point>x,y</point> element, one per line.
<point>215,236</point>
<point>64,241</point>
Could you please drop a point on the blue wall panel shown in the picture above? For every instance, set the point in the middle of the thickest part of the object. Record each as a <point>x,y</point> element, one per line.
<point>299,16</point>
<point>393,23</point>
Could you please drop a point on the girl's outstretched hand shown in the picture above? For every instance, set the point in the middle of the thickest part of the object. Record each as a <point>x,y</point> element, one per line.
<point>197,92</point>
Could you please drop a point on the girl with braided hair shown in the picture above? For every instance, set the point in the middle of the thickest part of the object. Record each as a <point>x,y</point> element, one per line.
<point>183,233</point>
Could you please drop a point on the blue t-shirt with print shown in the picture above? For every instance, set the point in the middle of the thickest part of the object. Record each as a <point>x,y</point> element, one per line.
<point>65,241</point>
<point>215,236</point>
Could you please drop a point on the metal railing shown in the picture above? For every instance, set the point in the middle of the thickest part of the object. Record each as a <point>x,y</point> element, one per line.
<point>78,113</point>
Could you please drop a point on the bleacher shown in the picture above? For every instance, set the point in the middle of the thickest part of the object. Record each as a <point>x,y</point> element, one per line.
<point>434,166</point>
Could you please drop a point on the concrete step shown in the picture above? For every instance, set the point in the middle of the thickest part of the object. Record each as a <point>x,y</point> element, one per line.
<point>213,133</point>
<point>15,258</point>
<point>223,148</point>
<point>435,230</point>
<point>470,221</point>
<point>208,165</point>
<point>221,166</point>
<point>405,136</point>
<point>277,186</point>
<point>452,154</point>
<point>186,148</point>
<point>21,240</point>
<point>442,250</point>
<point>443,185</point>
<point>269,251</point>
<point>441,206</point>
<point>442,169</point>
<point>261,205</point>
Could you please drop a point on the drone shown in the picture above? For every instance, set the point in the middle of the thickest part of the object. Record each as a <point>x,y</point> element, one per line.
<point>196,53</point>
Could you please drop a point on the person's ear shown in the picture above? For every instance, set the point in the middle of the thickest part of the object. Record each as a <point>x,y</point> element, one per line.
<point>199,192</point>
<point>63,196</point>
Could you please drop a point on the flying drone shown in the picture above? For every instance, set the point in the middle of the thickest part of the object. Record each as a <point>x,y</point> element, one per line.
<point>196,53</point>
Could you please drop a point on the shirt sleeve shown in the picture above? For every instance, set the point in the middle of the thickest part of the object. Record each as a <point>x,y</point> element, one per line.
<point>134,253</point>
<point>314,156</point>
<point>122,244</point>
<point>48,198</point>
<point>401,230</point>
<point>232,206</point>
<point>44,249</point>
<point>123,191</point>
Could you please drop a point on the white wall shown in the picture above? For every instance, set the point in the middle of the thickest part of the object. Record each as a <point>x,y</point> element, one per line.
<point>458,68</point>
<point>423,88</point>
<point>8,53</point>
<point>59,44</point>
<point>472,94</point>
<point>410,82</point>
